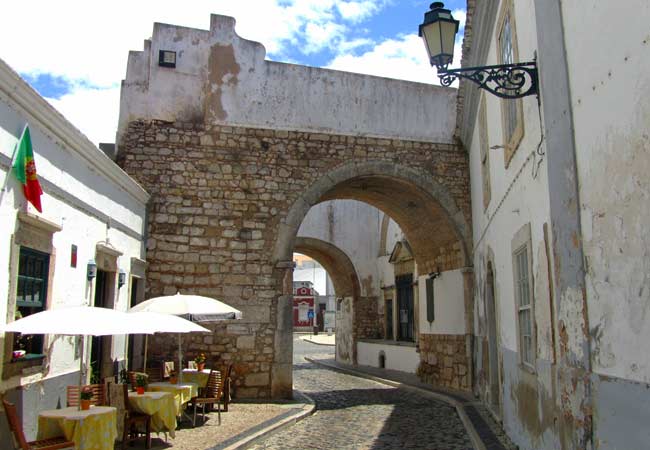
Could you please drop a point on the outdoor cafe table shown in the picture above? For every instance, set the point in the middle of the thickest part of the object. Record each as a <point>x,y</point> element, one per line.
<point>92,429</point>
<point>182,392</point>
<point>200,377</point>
<point>160,406</point>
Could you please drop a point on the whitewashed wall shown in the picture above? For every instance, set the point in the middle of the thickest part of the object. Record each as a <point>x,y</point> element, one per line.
<point>449,304</point>
<point>85,193</point>
<point>398,357</point>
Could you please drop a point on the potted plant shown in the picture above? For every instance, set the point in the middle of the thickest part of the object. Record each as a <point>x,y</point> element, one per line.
<point>140,384</point>
<point>85,396</point>
<point>200,361</point>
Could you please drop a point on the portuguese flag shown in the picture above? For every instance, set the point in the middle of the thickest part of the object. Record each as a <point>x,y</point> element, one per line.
<point>25,170</point>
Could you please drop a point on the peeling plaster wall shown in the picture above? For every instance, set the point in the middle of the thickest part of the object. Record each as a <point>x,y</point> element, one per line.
<point>609,91</point>
<point>519,196</point>
<point>222,78</point>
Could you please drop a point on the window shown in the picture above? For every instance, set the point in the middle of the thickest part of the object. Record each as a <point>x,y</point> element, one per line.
<point>524,301</point>
<point>31,296</point>
<point>511,109</point>
<point>484,144</point>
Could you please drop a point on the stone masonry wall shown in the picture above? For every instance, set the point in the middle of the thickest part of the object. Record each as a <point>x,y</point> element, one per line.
<point>219,197</point>
<point>444,361</point>
<point>369,323</point>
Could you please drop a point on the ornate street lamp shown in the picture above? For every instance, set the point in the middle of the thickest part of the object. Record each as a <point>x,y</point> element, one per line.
<point>504,80</point>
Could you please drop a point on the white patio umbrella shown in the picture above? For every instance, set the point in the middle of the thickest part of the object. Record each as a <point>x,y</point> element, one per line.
<point>80,321</point>
<point>193,306</point>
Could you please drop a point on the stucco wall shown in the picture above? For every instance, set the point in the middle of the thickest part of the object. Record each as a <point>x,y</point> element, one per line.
<point>221,78</point>
<point>449,304</point>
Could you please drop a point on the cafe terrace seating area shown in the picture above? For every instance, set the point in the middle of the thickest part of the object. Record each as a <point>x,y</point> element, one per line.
<point>128,409</point>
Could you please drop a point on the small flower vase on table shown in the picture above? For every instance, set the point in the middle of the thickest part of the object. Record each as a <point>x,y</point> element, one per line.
<point>200,361</point>
<point>85,396</point>
<point>200,366</point>
<point>140,383</point>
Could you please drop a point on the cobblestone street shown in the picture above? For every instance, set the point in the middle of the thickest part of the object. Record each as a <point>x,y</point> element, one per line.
<point>355,413</point>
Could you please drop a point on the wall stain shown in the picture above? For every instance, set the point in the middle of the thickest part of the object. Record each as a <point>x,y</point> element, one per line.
<point>223,70</point>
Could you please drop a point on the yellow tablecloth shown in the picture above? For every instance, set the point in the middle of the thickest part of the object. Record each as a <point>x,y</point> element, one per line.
<point>182,392</point>
<point>93,429</point>
<point>196,376</point>
<point>160,406</point>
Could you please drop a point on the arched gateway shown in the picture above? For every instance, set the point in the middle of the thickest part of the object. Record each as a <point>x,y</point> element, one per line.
<point>235,150</point>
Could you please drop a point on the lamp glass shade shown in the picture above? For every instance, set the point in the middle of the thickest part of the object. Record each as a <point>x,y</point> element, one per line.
<point>439,34</point>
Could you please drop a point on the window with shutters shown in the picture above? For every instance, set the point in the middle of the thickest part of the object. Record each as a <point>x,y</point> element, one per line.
<point>31,295</point>
<point>511,109</point>
<point>524,301</point>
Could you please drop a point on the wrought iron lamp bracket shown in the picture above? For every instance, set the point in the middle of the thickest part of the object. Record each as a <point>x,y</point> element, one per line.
<point>503,80</point>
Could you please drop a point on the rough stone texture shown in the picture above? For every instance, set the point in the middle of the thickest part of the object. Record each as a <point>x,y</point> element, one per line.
<point>369,322</point>
<point>222,195</point>
<point>444,361</point>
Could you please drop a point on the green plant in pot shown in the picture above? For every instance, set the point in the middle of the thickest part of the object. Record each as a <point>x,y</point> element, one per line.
<point>85,396</point>
<point>140,384</point>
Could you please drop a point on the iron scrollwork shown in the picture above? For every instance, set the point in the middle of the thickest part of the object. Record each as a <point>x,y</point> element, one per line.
<point>505,81</point>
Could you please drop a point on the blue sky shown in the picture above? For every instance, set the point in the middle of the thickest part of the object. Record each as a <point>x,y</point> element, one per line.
<point>75,51</point>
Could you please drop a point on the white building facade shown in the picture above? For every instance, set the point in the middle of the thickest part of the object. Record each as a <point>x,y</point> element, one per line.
<point>91,210</point>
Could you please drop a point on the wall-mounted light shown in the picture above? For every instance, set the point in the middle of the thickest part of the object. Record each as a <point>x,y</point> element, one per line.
<point>167,58</point>
<point>91,269</point>
<point>504,80</point>
<point>121,278</point>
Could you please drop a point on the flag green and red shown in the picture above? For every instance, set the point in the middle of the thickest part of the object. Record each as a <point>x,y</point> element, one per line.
<point>25,170</point>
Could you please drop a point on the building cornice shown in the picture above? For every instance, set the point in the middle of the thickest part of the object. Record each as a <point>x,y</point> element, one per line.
<point>479,29</point>
<point>38,111</point>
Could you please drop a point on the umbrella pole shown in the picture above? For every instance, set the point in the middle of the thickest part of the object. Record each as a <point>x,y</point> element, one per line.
<point>81,368</point>
<point>146,341</point>
<point>180,361</point>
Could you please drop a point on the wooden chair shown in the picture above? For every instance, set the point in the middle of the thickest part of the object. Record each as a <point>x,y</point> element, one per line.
<point>129,420</point>
<point>154,374</point>
<point>55,443</point>
<point>213,393</point>
<point>227,384</point>
<point>98,398</point>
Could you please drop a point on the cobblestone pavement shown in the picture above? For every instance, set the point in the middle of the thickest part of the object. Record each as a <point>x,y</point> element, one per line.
<point>356,413</point>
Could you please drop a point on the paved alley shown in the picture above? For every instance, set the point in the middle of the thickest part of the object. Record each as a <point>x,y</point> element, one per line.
<point>355,413</point>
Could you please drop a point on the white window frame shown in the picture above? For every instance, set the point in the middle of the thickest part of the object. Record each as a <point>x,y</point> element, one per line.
<point>524,300</point>
<point>510,108</point>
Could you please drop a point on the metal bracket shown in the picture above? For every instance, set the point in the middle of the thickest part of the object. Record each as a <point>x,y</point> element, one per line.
<point>503,80</point>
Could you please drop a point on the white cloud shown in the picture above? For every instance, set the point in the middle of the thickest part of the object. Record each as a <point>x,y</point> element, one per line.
<point>324,35</point>
<point>403,58</point>
<point>358,11</point>
<point>93,111</point>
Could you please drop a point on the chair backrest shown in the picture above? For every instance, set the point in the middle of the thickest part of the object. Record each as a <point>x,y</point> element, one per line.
<point>214,387</point>
<point>191,364</point>
<point>15,425</point>
<point>98,398</point>
<point>133,376</point>
<point>154,374</point>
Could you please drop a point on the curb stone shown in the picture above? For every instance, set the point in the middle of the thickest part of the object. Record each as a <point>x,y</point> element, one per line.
<point>249,437</point>
<point>477,443</point>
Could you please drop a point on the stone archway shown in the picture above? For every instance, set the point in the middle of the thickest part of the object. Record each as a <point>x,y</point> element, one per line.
<point>346,285</point>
